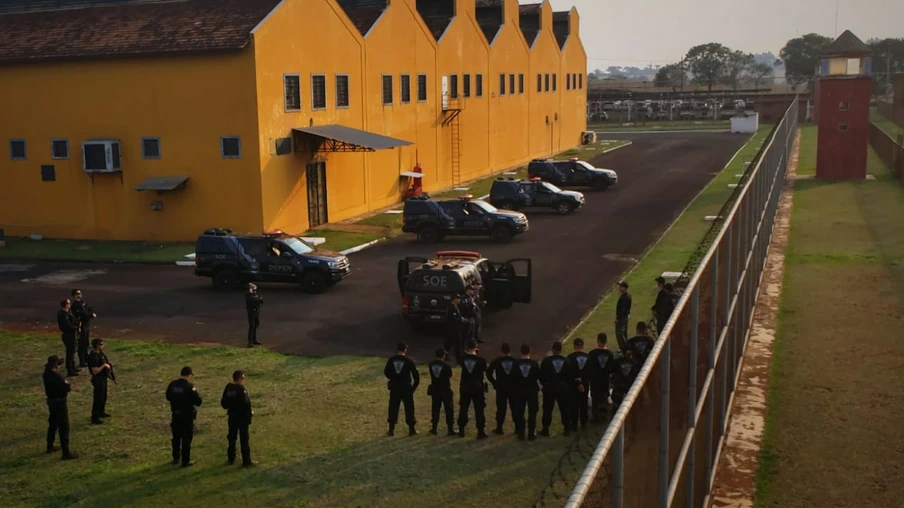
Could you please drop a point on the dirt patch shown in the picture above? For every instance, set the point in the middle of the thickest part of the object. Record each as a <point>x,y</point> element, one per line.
<point>735,482</point>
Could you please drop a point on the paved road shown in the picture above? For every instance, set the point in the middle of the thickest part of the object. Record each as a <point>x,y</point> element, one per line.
<point>575,258</point>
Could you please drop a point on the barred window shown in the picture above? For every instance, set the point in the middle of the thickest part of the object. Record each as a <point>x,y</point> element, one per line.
<point>405,88</point>
<point>555,82</point>
<point>59,148</point>
<point>546,88</point>
<point>521,83</point>
<point>292,86</point>
<point>422,88</point>
<point>466,78</point>
<point>342,91</point>
<point>479,85</point>
<point>539,82</point>
<point>502,84</point>
<point>150,148</point>
<point>318,91</point>
<point>387,89</point>
<point>453,86</point>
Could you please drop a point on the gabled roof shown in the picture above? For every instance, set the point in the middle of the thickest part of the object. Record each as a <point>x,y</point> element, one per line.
<point>9,6</point>
<point>489,17</point>
<point>561,27</point>
<point>437,15</point>
<point>847,44</point>
<point>363,13</point>
<point>529,20</point>
<point>128,28</point>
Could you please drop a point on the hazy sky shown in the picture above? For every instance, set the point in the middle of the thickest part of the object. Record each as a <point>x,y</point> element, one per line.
<point>635,32</point>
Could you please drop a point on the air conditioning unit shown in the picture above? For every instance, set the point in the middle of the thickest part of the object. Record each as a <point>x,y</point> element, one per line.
<point>101,156</point>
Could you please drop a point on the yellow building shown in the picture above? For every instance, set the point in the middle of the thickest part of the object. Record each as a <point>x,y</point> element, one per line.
<point>137,119</point>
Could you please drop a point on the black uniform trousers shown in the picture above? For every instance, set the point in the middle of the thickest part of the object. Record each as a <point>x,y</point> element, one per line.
<point>83,339</point>
<point>519,403</point>
<point>661,320</point>
<point>621,333</point>
<point>69,342</point>
<point>254,321</point>
<point>58,422</point>
<point>579,408</point>
<point>551,398</point>
<point>401,395</point>
<point>444,401</point>
<point>478,398</point>
<point>183,426</point>
<point>238,428</point>
<point>99,405</point>
<point>600,393</point>
<point>503,399</point>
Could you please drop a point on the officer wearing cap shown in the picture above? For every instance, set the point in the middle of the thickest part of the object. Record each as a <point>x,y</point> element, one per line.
<point>253,302</point>
<point>57,390</point>
<point>557,378</point>
<point>472,389</point>
<point>622,315</point>
<point>69,328</point>
<point>237,403</point>
<point>440,391</point>
<point>457,328</point>
<point>526,389</point>
<point>581,387</point>
<point>100,369</point>
<point>183,398</point>
<point>83,314</point>
<point>470,311</point>
<point>601,360</point>
<point>403,377</point>
<point>664,305</point>
<point>500,374</point>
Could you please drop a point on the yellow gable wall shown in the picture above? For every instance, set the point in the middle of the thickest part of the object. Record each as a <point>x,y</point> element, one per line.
<point>183,100</point>
<point>544,127</point>
<point>574,102</point>
<point>509,114</point>
<point>286,44</point>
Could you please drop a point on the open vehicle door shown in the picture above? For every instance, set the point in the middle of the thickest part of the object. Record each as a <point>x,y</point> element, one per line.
<point>511,283</point>
<point>405,270</point>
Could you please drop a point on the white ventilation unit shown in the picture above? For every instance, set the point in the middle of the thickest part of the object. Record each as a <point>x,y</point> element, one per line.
<point>101,156</point>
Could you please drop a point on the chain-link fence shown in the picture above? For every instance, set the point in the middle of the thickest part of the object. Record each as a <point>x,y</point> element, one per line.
<point>664,441</point>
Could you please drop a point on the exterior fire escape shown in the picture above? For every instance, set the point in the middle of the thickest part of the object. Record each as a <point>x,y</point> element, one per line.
<point>451,117</point>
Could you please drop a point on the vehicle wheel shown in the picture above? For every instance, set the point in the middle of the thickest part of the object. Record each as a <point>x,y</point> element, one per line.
<point>428,234</point>
<point>564,207</point>
<point>313,282</point>
<point>502,234</point>
<point>600,184</point>
<point>226,280</point>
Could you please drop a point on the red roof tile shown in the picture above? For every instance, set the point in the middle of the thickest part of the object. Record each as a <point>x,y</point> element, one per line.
<point>129,30</point>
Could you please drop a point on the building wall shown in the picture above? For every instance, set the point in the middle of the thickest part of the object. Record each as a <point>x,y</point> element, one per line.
<point>509,114</point>
<point>282,46</point>
<point>545,122</point>
<point>182,100</point>
<point>573,111</point>
<point>843,154</point>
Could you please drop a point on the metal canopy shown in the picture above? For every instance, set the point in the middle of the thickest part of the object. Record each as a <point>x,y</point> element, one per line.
<point>162,183</point>
<point>412,174</point>
<point>338,138</point>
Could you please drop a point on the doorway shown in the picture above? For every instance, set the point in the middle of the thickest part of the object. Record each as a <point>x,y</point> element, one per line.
<point>316,175</point>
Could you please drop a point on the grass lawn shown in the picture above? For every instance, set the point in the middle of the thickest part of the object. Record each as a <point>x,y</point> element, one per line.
<point>317,436</point>
<point>836,392</point>
<point>94,250</point>
<point>663,125</point>
<point>341,240</point>
<point>673,250</point>
<point>883,122</point>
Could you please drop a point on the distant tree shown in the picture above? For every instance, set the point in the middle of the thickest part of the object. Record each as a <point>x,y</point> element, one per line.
<point>613,70</point>
<point>596,75</point>
<point>759,73</point>
<point>736,66</point>
<point>670,76</point>
<point>800,57</point>
<point>888,56</point>
<point>707,63</point>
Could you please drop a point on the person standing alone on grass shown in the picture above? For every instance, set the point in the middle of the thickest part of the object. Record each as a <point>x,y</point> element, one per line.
<point>403,377</point>
<point>500,375</point>
<point>69,327</point>
<point>622,315</point>
<point>601,360</point>
<point>57,390</point>
<point>664,305</point>
<point>253,302</point>
<point>83,314</point>
<point>183,398</point>
<point>237,403</point>
<point>440,391</point>
<point>100,369</point>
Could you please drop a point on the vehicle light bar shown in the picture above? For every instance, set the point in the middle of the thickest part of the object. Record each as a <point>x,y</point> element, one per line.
<point>466,197</point>
<point>457,254</point>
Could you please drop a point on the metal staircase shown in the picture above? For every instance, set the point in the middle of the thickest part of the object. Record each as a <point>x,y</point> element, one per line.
<point>452,114</point>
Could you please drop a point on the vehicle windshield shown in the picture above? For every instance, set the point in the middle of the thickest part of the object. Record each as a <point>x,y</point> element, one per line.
<point>297,245</point>
<point>550,187</point>
<point>585,165</point>
<point>486,206</point>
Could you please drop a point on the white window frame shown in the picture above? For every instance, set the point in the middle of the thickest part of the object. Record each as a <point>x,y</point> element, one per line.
<point>326,101</point>
<point>159,150</point>
<point>24,146</point>
<point>222,147</point>
<point>402,89</point>
<point>285,101</point>
<point>53,156</point>
<point>348,92</point>
<point>418,86</point>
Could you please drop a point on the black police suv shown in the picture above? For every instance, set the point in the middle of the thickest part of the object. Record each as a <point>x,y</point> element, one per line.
<point>231,259</point>
<point>432,219</point>
<point>427,285</point>
<point>571,173</point>
<point>514,194</point>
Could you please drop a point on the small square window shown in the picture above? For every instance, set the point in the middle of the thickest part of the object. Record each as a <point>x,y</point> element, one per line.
<point>844,105</point>
<point>318,91</point>
<point>59,148</point>
<point>150,148</point>
<point>422,88</point>
<point>48,173</point>
<point>387,89</point>
<point>479,85</point>
<point>292,89</point>
<point>466,83</point>
<point>341,90</point>
<point>405,88</point>
<point>843,126</point>
<point>231,147</point>
<point>17,150</point>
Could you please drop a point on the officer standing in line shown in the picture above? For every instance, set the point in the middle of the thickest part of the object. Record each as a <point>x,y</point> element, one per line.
<point>84,314</point>
<point>457,328</point>
<point>440,391</point>
<point>500,374</point>
<point>470,311</point>
<point>403,381</point>
<point>473,389</point>
<point>100,369</point>
<point>69,327</point>
<point>237,403</point>
<point>581,387</point>
<point>183,398</point>
<point>622,315</point>
<point>641,344</point>
<point>624,371</point>
<point>557,379</point>
<point>57,389</point>
<point>253,302</point>
<point>527,390</point>
<point>601,360</point>
<point>664,305</point>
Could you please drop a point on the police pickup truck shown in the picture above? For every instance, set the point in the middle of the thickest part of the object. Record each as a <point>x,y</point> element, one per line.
<point>427,285</point>
<point>230,260</point>
<point>571,173</point>
<point>432,220</point>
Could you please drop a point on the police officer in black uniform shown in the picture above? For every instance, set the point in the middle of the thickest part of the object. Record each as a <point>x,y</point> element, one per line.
<point>471,311</point>
<point>600,360</point>
<point>622,315</point>
<point>183,398</point>
<point>581,387</point>
<point>57,389</point>
<point>664,305</point>
<point>100,369</point>
<point>403,381</point>
<point>479,303</point>
<point>624,371</point>
<point>84,314</point>
<point>557,378</point>
<point>458,328</point>
<point>473,389</point>
<point>69,327</point>
<point>500,374</point>
<point>237,403</point>
<point>440,391</point>
<point>253,302</point>
<point>641,344</point>
<point>526,388</point>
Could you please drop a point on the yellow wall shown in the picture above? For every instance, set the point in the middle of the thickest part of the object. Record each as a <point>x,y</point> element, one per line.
<point>544,128</point>
<point>573,112</point>
<point>185,101</point>
<point>509,114</point>
<point>284,44</point>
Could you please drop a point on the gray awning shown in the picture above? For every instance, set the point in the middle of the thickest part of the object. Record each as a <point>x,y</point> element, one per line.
<point>339,138</point>
<point>162,183</point>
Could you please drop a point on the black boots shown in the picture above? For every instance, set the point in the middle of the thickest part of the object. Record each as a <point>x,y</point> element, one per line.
<point>498,431</point>
<point>451,432</point>
<point>433,429</point>
<point>391,430</point>
<point>412,431</point>
<point>481,434</point>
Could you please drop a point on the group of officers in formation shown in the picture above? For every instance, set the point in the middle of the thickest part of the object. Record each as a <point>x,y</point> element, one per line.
<point>74,320</point>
